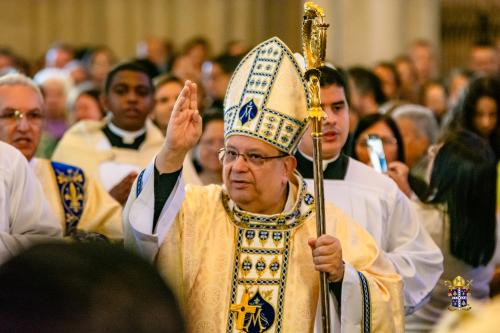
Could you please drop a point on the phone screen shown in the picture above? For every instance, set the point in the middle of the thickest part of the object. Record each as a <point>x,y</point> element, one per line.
<point>376,150</point>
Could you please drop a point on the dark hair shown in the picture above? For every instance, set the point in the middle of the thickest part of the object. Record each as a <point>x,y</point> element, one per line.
<point>149,66</point>
<point>211,114</point>
<point>483,44</point>
<point>370,120</point>
<point>481,87</point>
<point>17,62</point>
<point>91,91</point>
<point>90,54</point>
<point>464,177</point>
<point>81,288</point>
<point>232,43</point>
<point>164,79</point>
<point>133,66</point>
<point>5,51</point>
<point>404,58</point>
<point>227,63</point>
<point>195,41</point>
<point>392,68</point>
<point>367,83</point>
<point>336,76</point>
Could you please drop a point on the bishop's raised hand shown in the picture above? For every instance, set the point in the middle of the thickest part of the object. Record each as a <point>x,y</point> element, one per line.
<point>183,131</point>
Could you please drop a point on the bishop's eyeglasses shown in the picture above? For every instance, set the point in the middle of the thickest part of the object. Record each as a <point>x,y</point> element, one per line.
<point>229,155</point>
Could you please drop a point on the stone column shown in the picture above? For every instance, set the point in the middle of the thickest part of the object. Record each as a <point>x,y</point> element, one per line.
<point>363,32</point>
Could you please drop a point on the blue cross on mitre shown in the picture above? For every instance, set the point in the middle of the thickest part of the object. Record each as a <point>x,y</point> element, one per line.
<point>247,112</point>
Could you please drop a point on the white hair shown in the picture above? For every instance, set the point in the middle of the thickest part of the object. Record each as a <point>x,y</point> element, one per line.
<point>54,74</point>
<point>422,117</point>
<point>18,79</point>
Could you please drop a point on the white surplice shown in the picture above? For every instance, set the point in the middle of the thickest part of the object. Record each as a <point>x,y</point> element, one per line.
<point>374,201</point>
<point>25,216</point>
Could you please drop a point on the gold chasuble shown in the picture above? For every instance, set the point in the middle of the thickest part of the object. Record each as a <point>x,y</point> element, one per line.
<point>263,278</point>
<point>86,146</point>
<point>234,271</point>
<point>92,209</point>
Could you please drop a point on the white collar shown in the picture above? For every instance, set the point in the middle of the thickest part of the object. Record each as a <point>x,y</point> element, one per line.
<point>128,137</point>
<point>325,162</point>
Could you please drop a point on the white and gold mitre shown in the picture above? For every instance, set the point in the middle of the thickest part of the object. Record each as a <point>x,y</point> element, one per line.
<point>267,97</point>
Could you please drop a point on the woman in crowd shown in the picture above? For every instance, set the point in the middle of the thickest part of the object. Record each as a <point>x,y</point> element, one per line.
<point>206,154</point>
<point>479,110</point>
<point>392,142</point>
<point>55,85</point>
<point>459,213</point>
<point>433,96</point>
<point>99,62</point>
<point>167,88</point>
<point>408,75</point>
<point>391,84</point>
<point>84,103</point>
<point>419,130</point>
<point>386,129</point>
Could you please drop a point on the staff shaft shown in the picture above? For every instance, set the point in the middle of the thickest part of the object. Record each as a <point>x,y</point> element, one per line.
<point>320,217</point>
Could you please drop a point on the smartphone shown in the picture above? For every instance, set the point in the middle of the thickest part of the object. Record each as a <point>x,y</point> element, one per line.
<point>376,150</point>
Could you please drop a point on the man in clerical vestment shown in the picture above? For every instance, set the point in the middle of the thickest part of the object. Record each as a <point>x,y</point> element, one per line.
<point>25,216</point>
<point>83,208</point>
<point>370,198</point>
<point>244,257</point>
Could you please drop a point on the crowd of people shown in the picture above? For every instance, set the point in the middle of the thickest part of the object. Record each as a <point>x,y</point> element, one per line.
<point>145,152</point>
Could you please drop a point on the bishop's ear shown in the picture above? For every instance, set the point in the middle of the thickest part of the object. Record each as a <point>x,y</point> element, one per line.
<point>290,165</point>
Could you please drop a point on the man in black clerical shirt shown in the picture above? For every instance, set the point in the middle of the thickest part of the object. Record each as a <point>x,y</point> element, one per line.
<point>334,100</point>
<point>370,198</point>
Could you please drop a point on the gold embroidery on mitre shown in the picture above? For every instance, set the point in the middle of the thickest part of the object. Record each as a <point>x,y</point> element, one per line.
<point>259,107</point>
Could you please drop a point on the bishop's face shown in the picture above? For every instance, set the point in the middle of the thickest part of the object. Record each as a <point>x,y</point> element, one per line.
<point>254,187</point>
<point>21,118</point>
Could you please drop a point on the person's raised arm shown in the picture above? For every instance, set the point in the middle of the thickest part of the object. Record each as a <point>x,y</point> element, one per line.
<point>159,185</point>
<point>183,131</point>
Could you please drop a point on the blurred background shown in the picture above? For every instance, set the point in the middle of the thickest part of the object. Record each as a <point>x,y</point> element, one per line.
<point>362,32</point>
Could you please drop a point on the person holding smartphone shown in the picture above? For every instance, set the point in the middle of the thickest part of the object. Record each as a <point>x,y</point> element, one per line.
<point>378,135</point>
<point>370,198</point>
